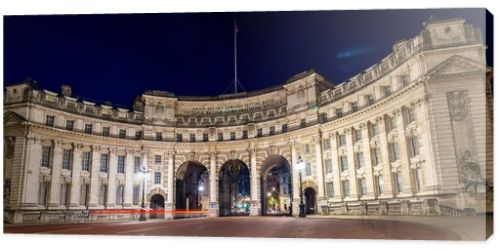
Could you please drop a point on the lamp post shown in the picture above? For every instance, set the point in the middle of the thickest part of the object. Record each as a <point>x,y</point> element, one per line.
<point>300,167</point>
<point>143,173</point>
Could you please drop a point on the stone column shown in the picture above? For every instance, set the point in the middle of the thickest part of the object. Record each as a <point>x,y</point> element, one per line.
<point>255,203</point>
<point>426,150</point>
<point>322,202</point>
<point>403,158</point>
<point>129,186</point>
<point>32,173</point>
<point>94,177</point>
<point>170,206</point>
<point>295,180</point>
<point>336,168</point>
<point>113,168</point>
<point>55,184</point>
<point>75,177</point>
<point>384,155</point>
<point>213,210</point>
<point>353,182</point>
<point>370,192</point>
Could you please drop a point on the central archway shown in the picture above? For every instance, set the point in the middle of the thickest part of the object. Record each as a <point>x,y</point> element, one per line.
<point>191,188</point>
<point>276,186</point>
<point>234,189</point>
<point>157,204</point>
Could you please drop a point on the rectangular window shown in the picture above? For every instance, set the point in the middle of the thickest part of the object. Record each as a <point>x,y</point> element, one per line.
<point>357,135</point>
<point>88,128</point>
<point>85,161</point>
<point>259,132</point>
<point>329,190</point>
<point>306,148</point>
<point>323,117</point>
<point>138,135</point>
<point>106,131</point>
<point>70,124</point>
<point>67,159</point>
<point>354,106</point>
<point>103,192</point>
<point>327,145</point>
<point>271,130</point>
<point>338,112</point>
<point>394,148</point>
<point>157,178</point>
<point>64,194</point>
<point>360,159</point>
<point>342,140</point>
<point>157,159</point>
<point>380,184</point>
<point>347,189</point>
<point>159,137</point>
<point>387,90</point>
<point>374,130</point>
<point>303,123</point>
<point>404,80</point>
<point>49,121</point>
<point>136,194</point>
<point>220,136</point>
<point>122,134</point>
<point>415,150</point>
<point>245,135</point>
<point>410,114</point>
<point>104,163</point>
<point>137,164</point>
<point>119,194</point>
<point>284,128</point>
<point>205,137</point>
<point>84,188</point>
<point>376,156</point>
<point>343,163</point>
<point>308,169</point>
<point>369,99</point>
<point>233,135</point>
<point>362,186</point>
<point>121,164</point>
<point>192,137</point>
<point>328,166</point>
<point>43,193</point>
<point>46,154</point>
<point>398,178</point>
<point>418,179</point>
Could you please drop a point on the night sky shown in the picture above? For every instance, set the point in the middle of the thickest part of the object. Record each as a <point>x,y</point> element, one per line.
<point>117,57</point>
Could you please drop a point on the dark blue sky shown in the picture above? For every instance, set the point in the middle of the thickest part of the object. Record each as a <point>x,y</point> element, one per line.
<point>116,57</point>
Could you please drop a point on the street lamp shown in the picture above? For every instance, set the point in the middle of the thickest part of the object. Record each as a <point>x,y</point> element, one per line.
<point>143,174</point>
<point>300,167</point>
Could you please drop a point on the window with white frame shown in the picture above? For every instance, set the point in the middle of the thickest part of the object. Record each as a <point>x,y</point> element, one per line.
<point>121,164</point>
<point>157,178</point>
<point>328,166</point>
<point>137,164</point>
<point>136,194</point>
<point>67,159</point>
<point>157,159</point>
<point>308,169</point>
<point>104,163</point>
<point>358,135</point>
<point>85,161</point>
<point>342,140</point>
<point>329,189</point>
<point>373,129</point>
<point>346,188</point>
<point>360,159</point>
<point>343,163</point>
<point>327,145</point>
<point>46,154</point>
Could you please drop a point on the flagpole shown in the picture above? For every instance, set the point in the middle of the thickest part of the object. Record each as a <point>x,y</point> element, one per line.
<point>235,58</point>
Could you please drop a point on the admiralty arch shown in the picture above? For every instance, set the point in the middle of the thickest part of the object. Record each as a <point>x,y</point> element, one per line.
<point>410,135</point>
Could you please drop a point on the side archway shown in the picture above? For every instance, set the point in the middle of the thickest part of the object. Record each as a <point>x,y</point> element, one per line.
<point>234,188</point>
<point>276,186</point>
<point>192,186</point>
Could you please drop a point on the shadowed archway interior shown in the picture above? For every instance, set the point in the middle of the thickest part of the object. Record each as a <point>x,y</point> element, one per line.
<point>276,186</point>
<point>192,183</point>
<point>234,188</point>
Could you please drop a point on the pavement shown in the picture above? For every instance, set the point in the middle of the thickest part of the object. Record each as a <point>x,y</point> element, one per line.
<point>269,227</point>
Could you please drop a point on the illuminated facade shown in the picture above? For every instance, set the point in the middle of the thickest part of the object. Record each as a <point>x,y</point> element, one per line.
<point>411,135</point>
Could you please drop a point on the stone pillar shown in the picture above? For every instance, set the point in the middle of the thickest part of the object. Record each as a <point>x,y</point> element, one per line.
<point>370,192</point>
<point>94,176</point>
<point>75,177</point>
<point>32,173</point>
<point>422,121</point>
<point>255,203</point>
<point>386,165</point>
<point>113,168</point>
<point>170,206</point>
<point>55,184</point>
<point>404,158</point>
<point>322,202</point>
<point>353,182</point>
<point>129,186</point>
<point>336,169</point>
<point>295,179</point>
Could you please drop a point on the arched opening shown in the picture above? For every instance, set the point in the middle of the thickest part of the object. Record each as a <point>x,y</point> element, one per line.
<point>276,186</point>
<point>157,204</point>
<point>234,189</point>
<point>310,200</point>
<point>192,187</point>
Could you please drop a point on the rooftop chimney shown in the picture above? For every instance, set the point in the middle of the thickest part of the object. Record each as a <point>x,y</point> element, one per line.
<point>66,90</point>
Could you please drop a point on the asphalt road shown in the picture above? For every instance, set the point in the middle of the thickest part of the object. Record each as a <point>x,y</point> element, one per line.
<point>275,227</point>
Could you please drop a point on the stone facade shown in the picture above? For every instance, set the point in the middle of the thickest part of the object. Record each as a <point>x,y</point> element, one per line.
<point>411,135</point>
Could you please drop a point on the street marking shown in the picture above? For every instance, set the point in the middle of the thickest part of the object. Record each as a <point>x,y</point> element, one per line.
<point>62,230</point>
